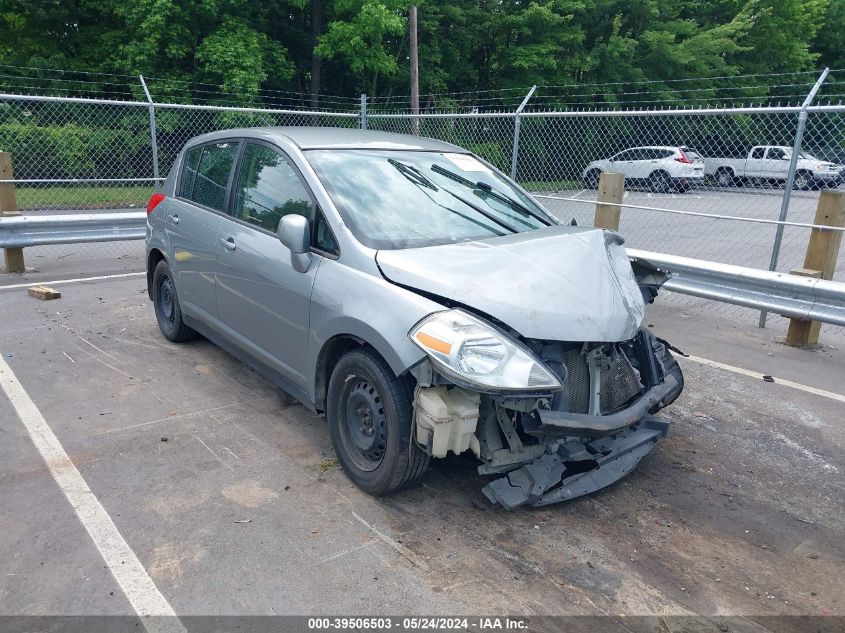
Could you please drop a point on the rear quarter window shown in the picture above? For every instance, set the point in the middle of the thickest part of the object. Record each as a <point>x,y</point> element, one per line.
<point>189,172</point>
<point>205,174</point>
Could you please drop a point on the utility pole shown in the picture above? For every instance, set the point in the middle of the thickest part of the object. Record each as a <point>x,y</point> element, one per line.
<point>415,71</point>
<point>316,60</point>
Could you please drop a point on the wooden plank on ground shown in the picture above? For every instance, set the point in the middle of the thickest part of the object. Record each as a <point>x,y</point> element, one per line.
<point>45,293</point>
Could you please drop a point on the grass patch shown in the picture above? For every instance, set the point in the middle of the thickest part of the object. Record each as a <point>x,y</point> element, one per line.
<point>82,196</point>
<point>550,185</point>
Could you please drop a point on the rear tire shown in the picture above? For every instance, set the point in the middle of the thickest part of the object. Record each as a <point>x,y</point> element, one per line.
<point>369,415</point>
<point>659,182</point>
<point>724,177</point>
<point>166,304</point>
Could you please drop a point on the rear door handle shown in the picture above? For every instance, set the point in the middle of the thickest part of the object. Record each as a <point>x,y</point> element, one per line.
<point>229,243</point>
<point>175,218</point>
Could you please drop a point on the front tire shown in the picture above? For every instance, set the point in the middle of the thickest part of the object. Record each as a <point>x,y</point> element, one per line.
<point>166,304</point>
<point>369,415</point>
<point>591,179</point>
<point>803,181</point>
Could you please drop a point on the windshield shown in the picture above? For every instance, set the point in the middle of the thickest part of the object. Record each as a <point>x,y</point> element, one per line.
<point>393,199</point>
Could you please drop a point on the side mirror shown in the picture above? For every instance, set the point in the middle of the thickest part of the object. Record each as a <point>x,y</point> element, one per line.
<point>295,233</point>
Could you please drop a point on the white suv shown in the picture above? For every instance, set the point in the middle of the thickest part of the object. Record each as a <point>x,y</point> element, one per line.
<point>661,168</point>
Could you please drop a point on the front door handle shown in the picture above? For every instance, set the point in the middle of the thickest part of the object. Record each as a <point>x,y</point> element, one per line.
<point>229,243</point>
<point>175,218</point>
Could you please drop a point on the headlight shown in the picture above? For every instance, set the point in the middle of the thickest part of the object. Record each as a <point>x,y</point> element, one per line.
<point>476,355</point>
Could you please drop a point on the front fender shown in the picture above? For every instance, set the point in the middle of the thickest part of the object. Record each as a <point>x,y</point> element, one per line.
<point>346,301</point>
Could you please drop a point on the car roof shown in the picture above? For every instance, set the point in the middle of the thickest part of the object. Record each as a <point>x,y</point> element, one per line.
<point>335,138</point>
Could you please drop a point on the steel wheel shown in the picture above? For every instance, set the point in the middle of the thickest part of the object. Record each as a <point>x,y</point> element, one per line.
<point>364,426</point>
<point>369,412</point>
<point>166,304</point>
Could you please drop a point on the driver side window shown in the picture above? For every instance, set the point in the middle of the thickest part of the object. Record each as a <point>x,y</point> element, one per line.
<point>268,188</point>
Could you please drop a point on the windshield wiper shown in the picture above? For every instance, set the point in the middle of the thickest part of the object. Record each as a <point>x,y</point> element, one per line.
<point>413,174</point>
<point>418,178</point>
<point>501,197</point>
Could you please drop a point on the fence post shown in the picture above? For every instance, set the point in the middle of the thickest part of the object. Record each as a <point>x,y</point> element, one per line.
<point>611,190</point>
<point>820,261</point>
<point>152,111</point>
<point>790,178</point>
<point>9,207</point>
<point>517,123</point>
<point>363,115</point>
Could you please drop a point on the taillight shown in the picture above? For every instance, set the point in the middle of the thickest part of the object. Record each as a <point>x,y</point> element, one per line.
<point>683,159</point>
<point>155,200</point>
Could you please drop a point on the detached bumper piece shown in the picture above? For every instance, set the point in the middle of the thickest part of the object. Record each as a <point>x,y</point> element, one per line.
<point>577,467</point>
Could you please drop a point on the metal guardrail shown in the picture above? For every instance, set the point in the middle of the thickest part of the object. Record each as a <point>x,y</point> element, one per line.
<point>790,295</point>
<point>24,231</point>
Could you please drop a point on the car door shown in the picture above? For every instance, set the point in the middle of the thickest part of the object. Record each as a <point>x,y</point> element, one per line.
<point>649,161</point>
<point>192,222</point>
<point>262,301</point>
<point>754,165</point>
<point>776,164</point>
<point>623,163</point>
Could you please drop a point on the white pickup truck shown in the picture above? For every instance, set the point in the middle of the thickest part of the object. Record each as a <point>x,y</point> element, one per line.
<point>766,163</point>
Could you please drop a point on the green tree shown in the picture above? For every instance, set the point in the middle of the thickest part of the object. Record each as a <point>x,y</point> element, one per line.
<point>830,39</point>
<point>364,35</point>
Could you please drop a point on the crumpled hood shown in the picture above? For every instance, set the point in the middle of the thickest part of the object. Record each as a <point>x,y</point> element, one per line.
<point>558,283</point>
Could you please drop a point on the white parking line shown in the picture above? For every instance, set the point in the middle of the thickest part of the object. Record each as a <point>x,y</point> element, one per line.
<point>756,374</point>
<point>70,281</point>
<point>124,565</point>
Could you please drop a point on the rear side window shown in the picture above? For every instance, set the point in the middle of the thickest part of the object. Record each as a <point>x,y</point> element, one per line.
<point>758,152</point>
<point>212,175</point>
<point>268,188</point>
<point>665,153</point>
<point>189,172</point>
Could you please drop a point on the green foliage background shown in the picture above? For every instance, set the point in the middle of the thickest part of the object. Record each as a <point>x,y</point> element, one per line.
<point>465,45</point>
<point>241,52</point>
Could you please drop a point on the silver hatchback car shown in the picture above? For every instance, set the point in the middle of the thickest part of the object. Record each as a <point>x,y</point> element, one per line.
<point>421,299</point>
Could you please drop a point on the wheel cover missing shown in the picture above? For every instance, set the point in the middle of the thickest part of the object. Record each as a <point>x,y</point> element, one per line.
<point>364,424</point>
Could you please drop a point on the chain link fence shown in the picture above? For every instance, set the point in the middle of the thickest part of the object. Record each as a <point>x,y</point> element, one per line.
<point>84,154</point>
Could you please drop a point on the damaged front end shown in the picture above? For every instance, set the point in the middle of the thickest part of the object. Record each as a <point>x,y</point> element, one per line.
<point>555,418</point>
<point>554,445</point>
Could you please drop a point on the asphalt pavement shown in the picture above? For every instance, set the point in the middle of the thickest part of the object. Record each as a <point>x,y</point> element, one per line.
<point>227,493</point>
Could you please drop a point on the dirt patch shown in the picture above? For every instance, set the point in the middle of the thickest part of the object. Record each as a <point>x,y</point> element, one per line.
<point>249,494</point>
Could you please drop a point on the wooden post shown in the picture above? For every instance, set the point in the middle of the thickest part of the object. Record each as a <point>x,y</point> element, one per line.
<point>611,189</point>
<point>8,207</point>
<point>820,261</point>
<point>415,70</point>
